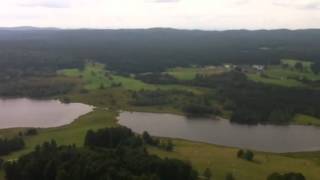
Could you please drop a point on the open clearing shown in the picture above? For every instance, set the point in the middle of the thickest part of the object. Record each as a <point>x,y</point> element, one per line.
<point>287,76</point>
<point>306,120</point>
<point>96,77</point>
<point>189,73</point>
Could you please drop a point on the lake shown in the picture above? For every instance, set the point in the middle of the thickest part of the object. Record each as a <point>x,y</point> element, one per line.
<point>24,112</point>
<point>268,138</point>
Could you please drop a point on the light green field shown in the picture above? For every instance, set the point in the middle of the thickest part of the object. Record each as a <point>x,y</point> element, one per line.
<point>222,160</point>
<point>275,81</point>
<point>183,73</point>
<point>278,75</point>
<point>306,120</point>
<point>292,63</point>
<point>96,77</point>
<point>189,73</point>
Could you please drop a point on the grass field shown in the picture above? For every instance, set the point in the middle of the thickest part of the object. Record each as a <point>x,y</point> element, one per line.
<point>306,120</point>
<point>222,160</point>
<point>96,77</point>
<point>289,76</point>
<point>275,81</point>
<point>292,62</point>
<point>189,73</point>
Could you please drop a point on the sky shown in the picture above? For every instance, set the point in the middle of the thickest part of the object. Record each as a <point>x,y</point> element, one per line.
<point>181,14</point>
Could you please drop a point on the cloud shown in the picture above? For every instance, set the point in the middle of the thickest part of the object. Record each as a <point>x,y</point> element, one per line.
<point>166,1</point>
<point>306,4</point>
<point>242,2</point>
<point>46,4</point>
<point>313,6</point>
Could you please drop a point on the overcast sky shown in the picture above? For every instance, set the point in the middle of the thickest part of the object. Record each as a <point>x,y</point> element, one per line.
<point>184,14</point>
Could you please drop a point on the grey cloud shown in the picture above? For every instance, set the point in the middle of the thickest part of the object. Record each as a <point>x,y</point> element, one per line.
<point>47,4</point>
<point>314,5</point>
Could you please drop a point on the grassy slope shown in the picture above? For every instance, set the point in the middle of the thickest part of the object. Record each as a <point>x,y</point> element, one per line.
<point>222,160</point>
<point>275,80</point>
<point>277,75</point>
<point>306,120</point>
<point>94,76</point>
<point>69,134</point>
<point>190,73</point>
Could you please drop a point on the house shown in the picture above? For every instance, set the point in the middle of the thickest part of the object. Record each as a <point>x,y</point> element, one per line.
<point>258,67</point>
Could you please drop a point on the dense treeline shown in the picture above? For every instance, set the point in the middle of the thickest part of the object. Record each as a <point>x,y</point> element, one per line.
<point>188,102</point>
<point>112,138</point>
<point>161,97</point>
<point>198,110</point>
<point>9,145</point>
<point>316,67</point>
<point>157,78</point>
<point>286,176</point>
<point>150,98</point>
<point>132,51</point>
<point>110,156</point>
<point>36,87</point>
<point>259,103</point>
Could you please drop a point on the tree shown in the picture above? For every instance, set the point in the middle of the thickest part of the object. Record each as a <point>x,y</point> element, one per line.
<point>286,176</point>
<point>207,173</point>
<point>1,163</point>
<point>240,153</point>
<point>315,67</point>
<point>229,176</point>
<point>248,155</point>
<point>169,146</point>
<point>299,66</point>
<point>147,138</point>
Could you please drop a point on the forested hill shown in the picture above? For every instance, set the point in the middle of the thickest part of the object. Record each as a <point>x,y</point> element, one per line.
<point>141,50</point>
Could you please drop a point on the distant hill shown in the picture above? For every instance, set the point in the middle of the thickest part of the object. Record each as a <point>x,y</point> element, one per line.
<point>27,28</point>
<point>143,50</point>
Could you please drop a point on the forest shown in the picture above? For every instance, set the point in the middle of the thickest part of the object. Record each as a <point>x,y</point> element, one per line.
<point>114,153</point>
<point>34,51</point>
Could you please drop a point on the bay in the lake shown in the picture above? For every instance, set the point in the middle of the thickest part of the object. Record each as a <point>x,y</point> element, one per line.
<point>24,112</point>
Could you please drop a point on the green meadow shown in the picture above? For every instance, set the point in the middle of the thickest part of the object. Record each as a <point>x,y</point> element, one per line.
<point>189,73</point>
<point>306,120</point>
<point>286,74</point>
<point>95,76</point>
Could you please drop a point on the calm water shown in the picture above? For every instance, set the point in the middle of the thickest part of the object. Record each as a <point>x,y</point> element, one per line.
<point>25,112</point>
<point>269,138</point>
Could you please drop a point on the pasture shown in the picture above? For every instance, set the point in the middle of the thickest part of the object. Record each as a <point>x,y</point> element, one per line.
<point>95,77</point>
<point>286,74</point>
<point>189,73</point>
